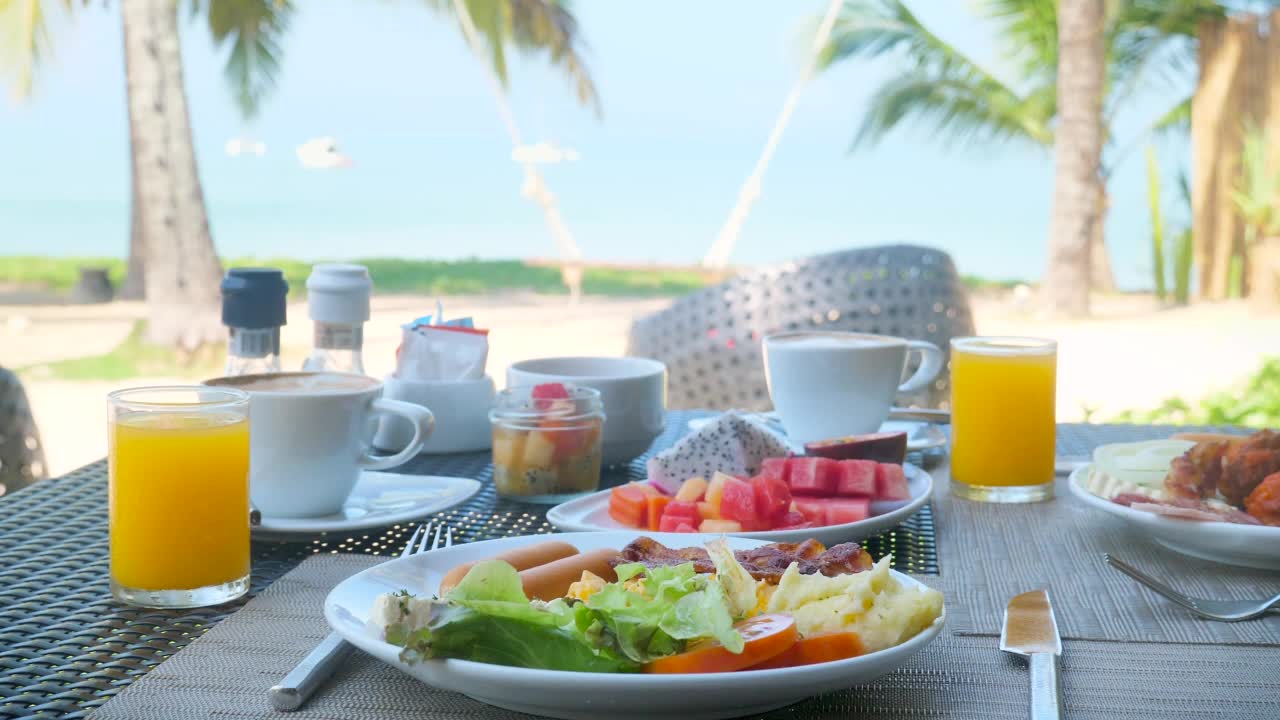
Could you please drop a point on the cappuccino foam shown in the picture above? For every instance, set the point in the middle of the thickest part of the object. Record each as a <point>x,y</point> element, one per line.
<point>299,383</point>
<point>832,342</point>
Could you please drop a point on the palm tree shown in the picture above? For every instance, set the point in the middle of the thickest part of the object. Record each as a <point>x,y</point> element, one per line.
<point>1078,150</point>
<point>170,243</point>
<point>938,85</point>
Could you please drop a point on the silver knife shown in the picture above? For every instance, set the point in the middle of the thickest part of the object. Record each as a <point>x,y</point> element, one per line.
<point>1031,631</point>
<point>298,686</point>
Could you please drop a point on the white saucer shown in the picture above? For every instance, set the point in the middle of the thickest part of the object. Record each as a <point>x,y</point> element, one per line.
<point>380,498</point>
<point>920,435</point>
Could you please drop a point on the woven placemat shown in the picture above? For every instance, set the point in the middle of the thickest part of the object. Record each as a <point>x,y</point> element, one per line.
<point>989,553</point>
<point>227,672</point>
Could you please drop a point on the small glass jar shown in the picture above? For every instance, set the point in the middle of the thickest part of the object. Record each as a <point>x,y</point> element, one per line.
<point>546,450</point>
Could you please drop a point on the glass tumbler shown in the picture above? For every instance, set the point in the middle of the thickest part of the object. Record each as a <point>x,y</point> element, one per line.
<point>1002,418</point>
<point>179,495</point>
<point>546,450</point>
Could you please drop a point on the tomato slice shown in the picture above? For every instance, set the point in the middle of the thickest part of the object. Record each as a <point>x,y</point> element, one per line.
<point>764,637</point>
<point>816,649</point>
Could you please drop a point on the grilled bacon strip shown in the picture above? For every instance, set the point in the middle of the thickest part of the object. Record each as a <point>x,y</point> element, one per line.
<point>766,562</point>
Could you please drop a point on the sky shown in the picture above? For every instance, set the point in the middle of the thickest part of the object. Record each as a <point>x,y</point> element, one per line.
<point>689,93</point>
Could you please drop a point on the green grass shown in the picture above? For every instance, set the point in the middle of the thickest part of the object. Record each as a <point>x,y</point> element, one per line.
<point>975,282</point>
<point>1254,402</point>
<point>392,275</point>
<point>135,358</point>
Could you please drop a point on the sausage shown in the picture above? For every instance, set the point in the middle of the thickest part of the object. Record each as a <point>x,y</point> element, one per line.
<point>521,558</point>
<point>550,581</point>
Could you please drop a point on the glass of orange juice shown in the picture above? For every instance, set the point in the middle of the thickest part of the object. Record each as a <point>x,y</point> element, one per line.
<point>1002,418</point>
<point>179,495</point>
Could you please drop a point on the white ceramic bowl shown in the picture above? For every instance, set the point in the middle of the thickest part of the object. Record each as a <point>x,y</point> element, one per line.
<point>594,696</point>
<point>461,409</point>
<point>1256,546</point>
<point>633,390</point>
<point>591,513</point>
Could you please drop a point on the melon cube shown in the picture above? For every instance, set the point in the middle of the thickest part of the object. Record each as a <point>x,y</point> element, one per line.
<point>539,450</point>
<point>891,483</point>
<point>708,511</point>
<point>857,478</point>
<point>692,490</point>
<point>508,446</point>
<point>813,476</point>
<point>712,525</point>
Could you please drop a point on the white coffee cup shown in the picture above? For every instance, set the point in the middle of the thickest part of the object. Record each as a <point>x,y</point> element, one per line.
<point>461,408</point>
<point>633,391</point>
<point>832,384</point>
<point>309,438</point>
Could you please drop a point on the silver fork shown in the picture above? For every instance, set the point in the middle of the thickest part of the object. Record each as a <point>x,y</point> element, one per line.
<point>301,683</point>
<point>1221,610</point>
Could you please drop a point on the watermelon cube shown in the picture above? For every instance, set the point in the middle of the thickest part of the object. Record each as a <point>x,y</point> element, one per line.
<point>891,483</point>
<point>774,468</point>
<point>676,523</point>
<point>738,502</point>
<point>847,510</point>
<point>814,510</point>
<point>857,478</point>
<point>815,476</point>
<point>773,498</point>
<point>793,519</point>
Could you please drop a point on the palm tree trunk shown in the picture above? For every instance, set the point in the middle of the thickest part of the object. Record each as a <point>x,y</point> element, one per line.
<point>1077,149</point>
<point>182,268</point>
<point>1102,278</point>
<point>134,287</point>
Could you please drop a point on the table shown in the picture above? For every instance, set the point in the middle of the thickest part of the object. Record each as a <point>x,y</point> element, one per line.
<point>66,648</point>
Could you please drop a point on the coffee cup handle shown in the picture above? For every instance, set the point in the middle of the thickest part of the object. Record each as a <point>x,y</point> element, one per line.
<point>423,423</point>
<point>931,362</point>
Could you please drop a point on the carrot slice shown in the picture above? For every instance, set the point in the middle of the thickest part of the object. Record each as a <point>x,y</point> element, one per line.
<point>764,636</point>
<point>816,649</point>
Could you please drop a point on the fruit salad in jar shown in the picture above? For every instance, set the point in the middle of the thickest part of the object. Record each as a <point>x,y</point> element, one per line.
<point>546,442</point>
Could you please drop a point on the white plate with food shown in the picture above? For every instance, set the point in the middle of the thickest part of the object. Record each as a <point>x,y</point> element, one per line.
<point>623,649</point>
<point>822,511</point>
<point>1210,500</point>
<point>920,435</point>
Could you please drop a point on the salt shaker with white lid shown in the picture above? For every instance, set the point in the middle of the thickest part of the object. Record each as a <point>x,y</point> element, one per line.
<point>338,303</point>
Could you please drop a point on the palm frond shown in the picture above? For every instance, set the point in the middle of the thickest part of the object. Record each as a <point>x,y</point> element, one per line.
<point>1029,29</point>
<point>25,41</point>
<point>253,29</point>
<point>532,27</point>
<point>957,109</point>
<point>940,85</point>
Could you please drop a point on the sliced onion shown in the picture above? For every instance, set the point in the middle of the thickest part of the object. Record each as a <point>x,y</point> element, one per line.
<point>1142,463</point>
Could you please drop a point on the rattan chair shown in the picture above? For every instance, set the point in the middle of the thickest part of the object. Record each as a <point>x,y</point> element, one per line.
<point>710,339</point>
<point>21,454</point>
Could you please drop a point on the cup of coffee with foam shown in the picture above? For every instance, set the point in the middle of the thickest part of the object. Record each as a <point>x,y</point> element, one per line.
<point>832,384</point>
<point>310,437</point>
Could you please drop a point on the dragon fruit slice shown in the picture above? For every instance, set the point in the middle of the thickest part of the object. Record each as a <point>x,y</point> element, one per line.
<point>730,444</point>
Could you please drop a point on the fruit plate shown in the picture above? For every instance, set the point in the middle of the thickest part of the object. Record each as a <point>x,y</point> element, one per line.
<point>591,513</point>
<point>592,696</point>
<point>921,436</point>
<point>1255,546</point>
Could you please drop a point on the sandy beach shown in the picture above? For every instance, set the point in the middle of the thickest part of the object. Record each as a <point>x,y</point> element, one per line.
<point>1133,354</point>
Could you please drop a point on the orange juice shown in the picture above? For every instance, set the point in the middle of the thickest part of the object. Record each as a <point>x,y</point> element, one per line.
<point>179,499</point>
<point>1002,418</point>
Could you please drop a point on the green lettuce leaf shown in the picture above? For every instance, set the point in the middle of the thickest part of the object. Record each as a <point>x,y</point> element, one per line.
<point>675,605</point>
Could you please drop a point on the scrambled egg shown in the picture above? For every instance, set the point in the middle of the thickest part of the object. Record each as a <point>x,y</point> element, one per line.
<point>590,584</point>
<point>881,610</point>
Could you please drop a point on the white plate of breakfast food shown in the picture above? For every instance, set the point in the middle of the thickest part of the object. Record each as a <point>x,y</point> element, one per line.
<point>736,477</point>
<point>1214,497</point>
<point>626,626</point>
